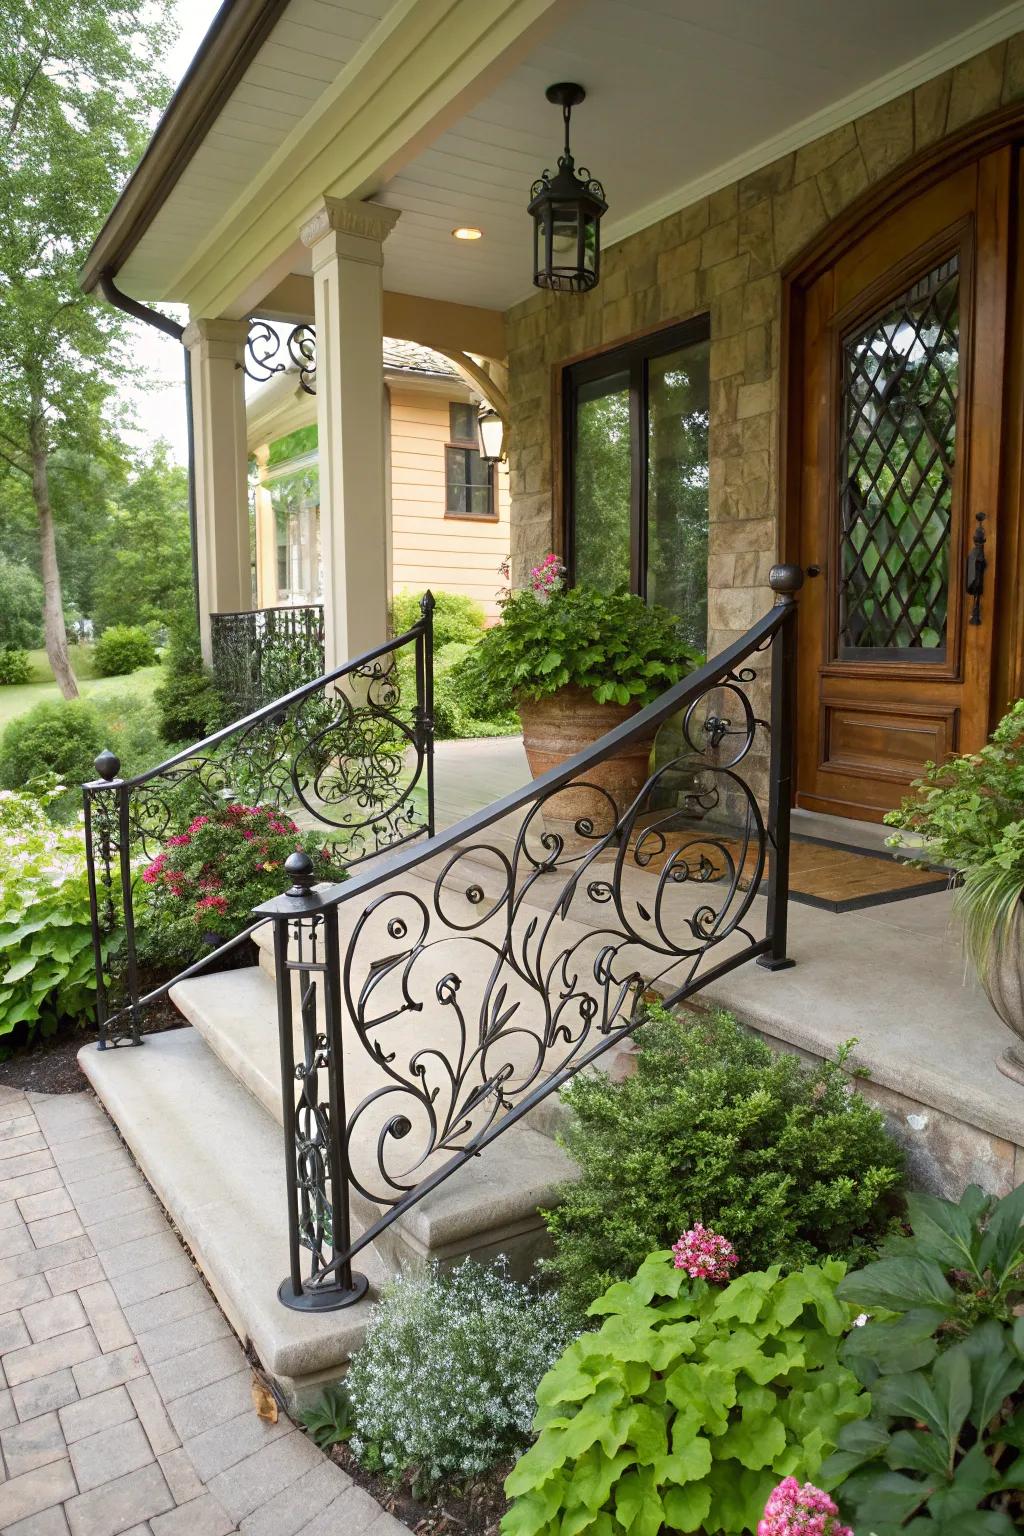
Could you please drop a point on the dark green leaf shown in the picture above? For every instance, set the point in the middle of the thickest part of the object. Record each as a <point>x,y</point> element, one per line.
<point>897,1285</point>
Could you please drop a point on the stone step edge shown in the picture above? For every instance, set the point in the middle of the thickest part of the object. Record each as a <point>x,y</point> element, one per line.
<point>440,1227</point>
<point>214,1160</point>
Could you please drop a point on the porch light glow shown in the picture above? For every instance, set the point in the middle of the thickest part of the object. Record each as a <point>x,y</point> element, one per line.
<point>467,232</point>
<point>491,431</point>
<point>566,209</point>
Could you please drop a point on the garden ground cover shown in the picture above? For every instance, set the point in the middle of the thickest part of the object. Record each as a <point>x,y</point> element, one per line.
<point>20,698</point>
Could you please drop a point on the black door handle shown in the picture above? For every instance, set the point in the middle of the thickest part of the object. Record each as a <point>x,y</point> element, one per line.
<point>974,585</point>
<point>814,570</point>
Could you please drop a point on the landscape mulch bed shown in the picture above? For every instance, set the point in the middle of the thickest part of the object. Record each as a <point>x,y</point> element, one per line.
<point>472,1511</point>
<point>51,1065</point>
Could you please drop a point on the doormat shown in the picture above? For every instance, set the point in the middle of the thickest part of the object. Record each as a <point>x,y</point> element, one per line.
<point>833,876</point>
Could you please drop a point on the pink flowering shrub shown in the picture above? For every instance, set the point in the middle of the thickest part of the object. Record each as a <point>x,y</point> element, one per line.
<point>705,1255</point>
<point>793,1510</point>
<point>203,884</point>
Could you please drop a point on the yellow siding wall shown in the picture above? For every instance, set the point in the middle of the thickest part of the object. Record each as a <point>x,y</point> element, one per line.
<point>449,554</point>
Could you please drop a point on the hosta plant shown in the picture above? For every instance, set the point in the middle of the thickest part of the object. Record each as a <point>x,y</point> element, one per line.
<point>688,1405</point>
<point>201,887</point>
<point>46,959</point>
<point>943,1354</point>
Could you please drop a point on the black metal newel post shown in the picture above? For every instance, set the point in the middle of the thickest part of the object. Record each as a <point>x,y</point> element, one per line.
<point>426,700</point>
<point>785,582</point>
<point>315,1145</point>
<point>108,832</point>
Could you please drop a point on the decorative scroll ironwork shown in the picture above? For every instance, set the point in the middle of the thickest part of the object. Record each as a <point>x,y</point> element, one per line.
<point>896,471</point>
<point>350,752</point>
<point>263,353</point>
<point>265,653</point>
<point>478,972</point>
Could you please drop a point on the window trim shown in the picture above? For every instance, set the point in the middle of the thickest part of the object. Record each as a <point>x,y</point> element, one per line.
<point>632,357</point>
<point>471,445</point>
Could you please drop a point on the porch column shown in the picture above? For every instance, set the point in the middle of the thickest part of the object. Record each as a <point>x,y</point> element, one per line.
<point>346,240</point>
<point>266,534</point>
<point>216,350</point>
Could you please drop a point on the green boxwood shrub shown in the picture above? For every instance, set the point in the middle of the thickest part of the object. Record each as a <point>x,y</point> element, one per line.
<point>15,666</point>
<point>688,1405</point>
<point>186,696</point>
<point>715,1127</point>
<point>57,737</point>
<point>121,649</point>
<point>456,616</point>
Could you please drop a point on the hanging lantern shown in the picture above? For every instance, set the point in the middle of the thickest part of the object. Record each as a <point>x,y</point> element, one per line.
<point>491,431</point>
<point>566,210</point>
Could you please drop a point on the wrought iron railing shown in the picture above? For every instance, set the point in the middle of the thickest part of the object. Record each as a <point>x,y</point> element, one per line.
<point>350,752</point>
<point>472,975</point>
<point>261,654</point>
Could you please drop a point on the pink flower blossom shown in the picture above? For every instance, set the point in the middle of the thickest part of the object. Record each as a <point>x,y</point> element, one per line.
<point>546,577</point>
<point>200,821</point>
<point>153,871</point>
<point>180,840</point>
<point>795,1511</point>
<point>212,904</point>
<point>704,1254</point>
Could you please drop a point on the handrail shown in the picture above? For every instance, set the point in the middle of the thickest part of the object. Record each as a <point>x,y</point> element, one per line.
<point>244,613</point>
<point>345,749</point>
<point>461,1054</point>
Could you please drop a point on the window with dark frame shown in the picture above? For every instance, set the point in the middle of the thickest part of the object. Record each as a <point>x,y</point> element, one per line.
<point>468,479</point>
<point>635,454</point>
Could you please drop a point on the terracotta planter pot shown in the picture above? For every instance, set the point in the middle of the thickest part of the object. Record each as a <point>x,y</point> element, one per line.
<point>1003,981</point>
<point>557,728</point>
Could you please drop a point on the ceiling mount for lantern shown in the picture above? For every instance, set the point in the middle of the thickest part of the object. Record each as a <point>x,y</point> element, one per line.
<point>566,208</point>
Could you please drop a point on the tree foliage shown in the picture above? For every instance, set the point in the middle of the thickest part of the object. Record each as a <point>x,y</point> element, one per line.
<point>79,86</point>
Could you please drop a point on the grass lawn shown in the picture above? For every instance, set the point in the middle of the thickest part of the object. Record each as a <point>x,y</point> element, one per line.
<point>16,700</point>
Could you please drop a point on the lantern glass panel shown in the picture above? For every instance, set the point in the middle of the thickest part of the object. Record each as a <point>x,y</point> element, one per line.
<point>590,243</point>
<point>566,220</point>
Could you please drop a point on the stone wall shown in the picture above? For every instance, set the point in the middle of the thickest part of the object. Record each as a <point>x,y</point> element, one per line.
<point>723,255</point>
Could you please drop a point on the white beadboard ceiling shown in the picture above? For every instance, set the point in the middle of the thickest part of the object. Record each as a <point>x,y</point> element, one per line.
<point>682,95</point>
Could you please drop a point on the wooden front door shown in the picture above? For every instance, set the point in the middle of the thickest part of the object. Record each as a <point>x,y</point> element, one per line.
<point>903,358</point>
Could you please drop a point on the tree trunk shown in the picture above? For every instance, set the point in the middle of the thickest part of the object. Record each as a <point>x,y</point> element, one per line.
<point>53,602</point>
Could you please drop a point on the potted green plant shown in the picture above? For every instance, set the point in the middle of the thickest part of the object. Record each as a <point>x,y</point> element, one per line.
<point>575,663</point>
<point>968,814</point>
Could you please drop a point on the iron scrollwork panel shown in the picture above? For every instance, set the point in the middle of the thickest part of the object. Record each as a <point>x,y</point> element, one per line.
<point>532,950</point>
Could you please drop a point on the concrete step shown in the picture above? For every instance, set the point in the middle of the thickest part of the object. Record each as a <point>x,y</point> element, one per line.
<point>489,1206</point>
<point>216,1162</point>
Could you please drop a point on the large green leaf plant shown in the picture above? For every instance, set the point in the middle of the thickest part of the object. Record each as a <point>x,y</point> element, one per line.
<point>688,1405</point>
<point>46,958</point>
<point>943,1356</point>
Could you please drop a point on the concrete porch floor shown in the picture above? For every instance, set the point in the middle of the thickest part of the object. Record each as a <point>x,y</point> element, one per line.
<point>893,976</point>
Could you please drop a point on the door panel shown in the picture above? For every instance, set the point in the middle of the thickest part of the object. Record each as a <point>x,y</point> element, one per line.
<point>902,361</point>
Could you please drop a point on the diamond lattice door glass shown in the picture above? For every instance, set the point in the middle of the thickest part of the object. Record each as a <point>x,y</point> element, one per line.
<point>898,451</point>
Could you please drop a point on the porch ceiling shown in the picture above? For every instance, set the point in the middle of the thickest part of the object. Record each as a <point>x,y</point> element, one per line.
<point>682,97</point>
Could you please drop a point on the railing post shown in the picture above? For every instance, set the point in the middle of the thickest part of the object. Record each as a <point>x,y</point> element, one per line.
<point>315,1143</point>
<point>785,581</point>
<point>425,700</point>
<point>108,833</point>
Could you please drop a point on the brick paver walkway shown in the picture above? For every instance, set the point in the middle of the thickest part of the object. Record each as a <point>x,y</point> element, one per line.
<point>125,1399</point>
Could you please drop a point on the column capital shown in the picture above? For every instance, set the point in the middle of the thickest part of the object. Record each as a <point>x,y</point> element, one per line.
<point>349,216</point>
<point>227,332</point>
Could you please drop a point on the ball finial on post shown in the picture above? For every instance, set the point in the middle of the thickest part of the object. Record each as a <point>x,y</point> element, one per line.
<point>785,581</point>
<point>299,866</point>
<point>107,765</point>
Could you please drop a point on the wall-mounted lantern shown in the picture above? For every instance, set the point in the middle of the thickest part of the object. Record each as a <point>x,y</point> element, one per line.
<point>566,208</point>
<point>491,431</point>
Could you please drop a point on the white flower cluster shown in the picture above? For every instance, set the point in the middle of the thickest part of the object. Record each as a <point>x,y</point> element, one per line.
<point>443,1386</point>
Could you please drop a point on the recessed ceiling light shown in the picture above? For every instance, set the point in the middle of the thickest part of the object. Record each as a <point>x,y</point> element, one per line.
<point>467,232</point>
